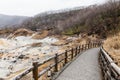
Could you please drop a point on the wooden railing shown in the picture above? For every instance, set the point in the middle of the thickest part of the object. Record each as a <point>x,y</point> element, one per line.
<point>47,69</point>
<point>109,68</point>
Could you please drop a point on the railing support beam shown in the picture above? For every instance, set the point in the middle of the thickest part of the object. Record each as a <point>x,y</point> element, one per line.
<point>35,70</point>
<point>66,57</point>
<point>56,62</point>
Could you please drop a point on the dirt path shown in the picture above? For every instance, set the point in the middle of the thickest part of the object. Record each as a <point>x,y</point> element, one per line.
<point>85,67</point>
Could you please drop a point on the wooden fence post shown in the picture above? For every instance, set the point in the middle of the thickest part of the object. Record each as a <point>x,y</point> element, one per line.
<point>82,47</point>
<point>88,45</point>
<point>79,49</point>
<point>35,70</point>
<point>76,51</point>
<point>66,56</point>
<point>95,44</point>
<point>56,62</point>
<point>92,45</point>
<point>85,46</point>
<point>98,44</point>
<point>72,53</point>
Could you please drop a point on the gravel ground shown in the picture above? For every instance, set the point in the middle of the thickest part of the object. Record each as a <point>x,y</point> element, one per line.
<point>85,67</point>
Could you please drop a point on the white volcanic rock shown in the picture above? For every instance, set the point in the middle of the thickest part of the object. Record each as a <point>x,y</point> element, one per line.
<point>18,54</point>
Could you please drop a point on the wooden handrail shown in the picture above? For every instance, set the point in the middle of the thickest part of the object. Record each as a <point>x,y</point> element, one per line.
<point>47,60</point>
<point>23,74</point>
<point>56,62</point>
<point>107,56</point>
<point>68,56</point>
<point>45,70</point>
<point>108,66</point>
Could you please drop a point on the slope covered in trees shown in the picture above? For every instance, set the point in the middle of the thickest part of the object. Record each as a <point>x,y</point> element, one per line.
<point>96,19</point>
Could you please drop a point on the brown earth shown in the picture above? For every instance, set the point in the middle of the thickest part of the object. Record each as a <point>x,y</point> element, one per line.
<point>36,44</point>
<point>41,35</point>
<point>21,32</point>
<point>60,43</point>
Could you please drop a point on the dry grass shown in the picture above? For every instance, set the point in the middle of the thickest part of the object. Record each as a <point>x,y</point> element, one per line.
<point>41,35</point>
<point>6,31</point>
<point>112,46</point>
<point>60,43</point>
<point>21,32</point>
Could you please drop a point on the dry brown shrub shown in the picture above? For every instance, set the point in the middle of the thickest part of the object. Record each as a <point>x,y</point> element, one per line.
<point>112,42</point>
<point>112,46</point>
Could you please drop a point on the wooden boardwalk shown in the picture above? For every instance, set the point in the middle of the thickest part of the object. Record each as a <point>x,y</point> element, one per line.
<point>85,67</point>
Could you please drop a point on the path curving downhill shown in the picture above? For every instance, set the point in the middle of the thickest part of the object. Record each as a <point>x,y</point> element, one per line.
<point>85,67</point>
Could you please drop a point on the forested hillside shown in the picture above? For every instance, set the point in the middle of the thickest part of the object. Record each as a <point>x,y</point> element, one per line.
<point>99,19</point>
<point>96,19</point>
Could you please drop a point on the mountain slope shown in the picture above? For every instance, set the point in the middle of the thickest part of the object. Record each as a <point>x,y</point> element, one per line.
<point>6,20</point>
<point>61,21</point>
<point>96,19</point>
